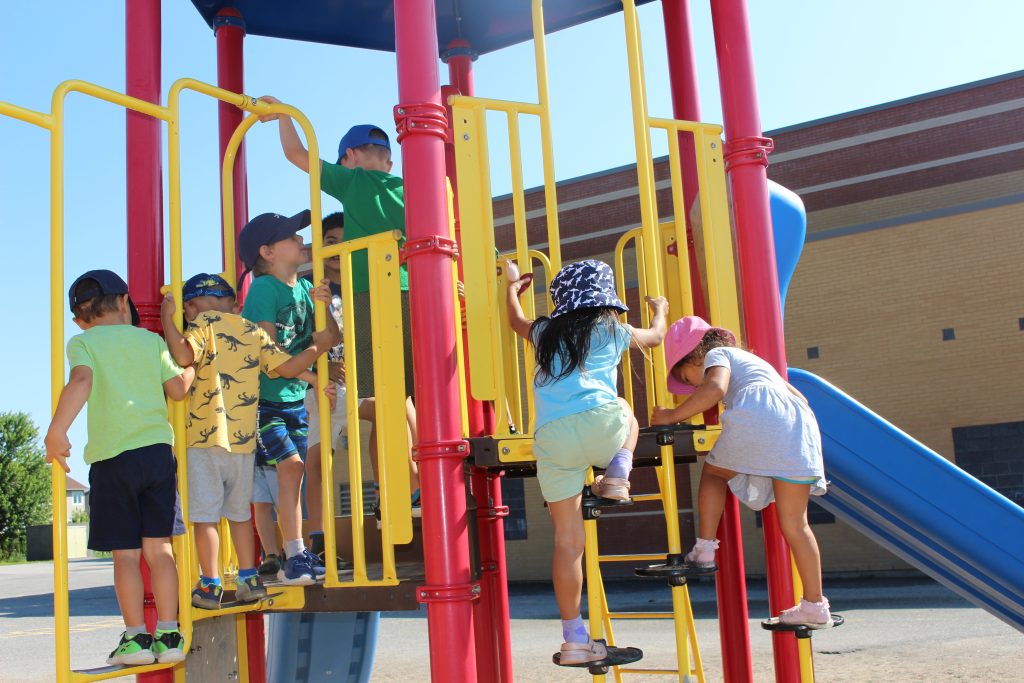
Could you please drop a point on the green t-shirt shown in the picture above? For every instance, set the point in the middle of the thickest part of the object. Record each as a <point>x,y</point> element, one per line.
<point>374,202</point>
<point>290,310</point>
<point>127,407</point>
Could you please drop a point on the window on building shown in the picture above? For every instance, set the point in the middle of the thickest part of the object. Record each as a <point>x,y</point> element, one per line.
<point>994,454</point>
<point>513,494</point>
<point>1020,323</point>
<point>812,352</point>
<point>948,334</point>
<point>76,497</point>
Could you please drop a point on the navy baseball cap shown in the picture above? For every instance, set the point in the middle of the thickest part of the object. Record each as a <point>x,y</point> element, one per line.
<point>267,228</point>
<point>357,136</point>
<point>205,284</point>
<point>99,283</point>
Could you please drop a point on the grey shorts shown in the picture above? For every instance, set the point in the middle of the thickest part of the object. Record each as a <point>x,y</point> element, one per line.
<point>364,344</point>
<point>219,484</point>
<point>339,419</point>
<point>264,485</point>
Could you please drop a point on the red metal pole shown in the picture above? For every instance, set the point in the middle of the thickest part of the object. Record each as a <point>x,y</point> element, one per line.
<point>491,611</point>
<point>229,29</point>
<point>144,191</point>
<point>730,581</point>
<point>746,158</point>
<point>422,129</point>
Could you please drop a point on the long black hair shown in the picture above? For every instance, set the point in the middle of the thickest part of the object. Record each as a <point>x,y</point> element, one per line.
<point>567,338</point>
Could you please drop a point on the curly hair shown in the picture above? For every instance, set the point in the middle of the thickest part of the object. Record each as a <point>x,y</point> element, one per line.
<point>567,338</point>
<point>713,339</point>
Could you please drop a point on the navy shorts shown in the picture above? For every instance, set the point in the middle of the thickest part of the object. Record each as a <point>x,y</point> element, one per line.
<point>283,431</point>
<point>133,496</point>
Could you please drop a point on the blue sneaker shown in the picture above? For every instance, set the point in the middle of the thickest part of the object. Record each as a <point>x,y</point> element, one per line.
<point>319,570</point>
<point>417,508</point>
<point>297,571</point>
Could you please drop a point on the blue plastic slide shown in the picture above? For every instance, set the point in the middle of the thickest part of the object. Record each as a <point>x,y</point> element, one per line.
<point>321,647</point>
<point>914,502</point>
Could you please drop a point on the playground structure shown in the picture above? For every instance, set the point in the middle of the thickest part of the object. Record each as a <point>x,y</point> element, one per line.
<point>444,135</point>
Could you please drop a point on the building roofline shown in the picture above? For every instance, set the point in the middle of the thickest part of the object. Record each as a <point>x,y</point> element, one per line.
<point>796,126</point>
<point>897,103</point>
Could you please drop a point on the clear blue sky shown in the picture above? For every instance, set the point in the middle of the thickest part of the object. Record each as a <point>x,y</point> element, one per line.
<point>813,58</point>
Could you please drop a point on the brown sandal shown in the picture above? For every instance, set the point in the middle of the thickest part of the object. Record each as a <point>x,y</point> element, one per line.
<point>611,488</point>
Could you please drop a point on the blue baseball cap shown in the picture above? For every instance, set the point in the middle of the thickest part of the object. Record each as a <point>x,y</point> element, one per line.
<point>357,136</point>
<point>99,283</point>
<point>267,228</point>
<point>205,284</point>
<point>586,284</point>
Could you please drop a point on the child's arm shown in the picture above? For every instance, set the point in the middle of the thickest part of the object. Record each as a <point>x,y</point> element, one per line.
<point>793,390</point>
<point>291,144</point>
<point>72,400</point>
<point>652,336</point>
<point>181,350</point>
<point>707,396</point>
<point>298,365</point>
<point>177,388</point>
<point>517,320</point>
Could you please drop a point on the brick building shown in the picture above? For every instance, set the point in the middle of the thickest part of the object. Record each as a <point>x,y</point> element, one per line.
<point>909,294</point>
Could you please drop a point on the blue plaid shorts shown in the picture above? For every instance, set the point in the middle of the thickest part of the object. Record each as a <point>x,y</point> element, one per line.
<point>282,433</point>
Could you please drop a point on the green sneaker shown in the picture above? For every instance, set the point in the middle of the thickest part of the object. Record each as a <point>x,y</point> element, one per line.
<point>168,646</point>
<point>250,589</point>
<point>134,651</point>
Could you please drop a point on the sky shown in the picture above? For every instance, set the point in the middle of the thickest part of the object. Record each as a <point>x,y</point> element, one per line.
<point>813,59</point>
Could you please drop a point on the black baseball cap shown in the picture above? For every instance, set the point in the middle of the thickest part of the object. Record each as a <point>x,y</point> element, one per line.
<point>99,283</point>
<point>267,228</point>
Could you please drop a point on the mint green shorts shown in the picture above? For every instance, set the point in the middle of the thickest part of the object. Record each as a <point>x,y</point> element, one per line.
<point>565,448</point>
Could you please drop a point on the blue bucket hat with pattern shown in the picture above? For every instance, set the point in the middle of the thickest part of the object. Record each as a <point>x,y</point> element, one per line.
<point>587,284</point>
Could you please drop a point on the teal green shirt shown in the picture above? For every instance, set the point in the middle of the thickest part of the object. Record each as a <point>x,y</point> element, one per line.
<point>290,310</point>
<point>374,202</point>
<point>127,407</point>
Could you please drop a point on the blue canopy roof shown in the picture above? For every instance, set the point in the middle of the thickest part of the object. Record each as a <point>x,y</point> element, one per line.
<point>487,25</point>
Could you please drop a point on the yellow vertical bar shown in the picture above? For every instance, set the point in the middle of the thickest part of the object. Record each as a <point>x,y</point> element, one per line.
<point>525,264</point>
<point>803,644</point>
<point>355,436</point>
<point>679,211</point>
<point>61,612</point>
<point>550,190</point>
<point>182,544</point>
<point>595,586</point>
<point>241,649</point>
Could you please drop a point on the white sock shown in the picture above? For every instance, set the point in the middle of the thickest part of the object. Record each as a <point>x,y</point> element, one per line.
<point>293,548</point>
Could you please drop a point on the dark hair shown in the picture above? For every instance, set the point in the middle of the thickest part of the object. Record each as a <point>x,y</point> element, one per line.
<point>333,221</point>
<point>712,339</point>
<point>89,310</point>
<point>567,338</point>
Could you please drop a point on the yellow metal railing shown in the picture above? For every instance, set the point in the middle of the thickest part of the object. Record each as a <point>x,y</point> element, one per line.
<point>492,352</point>
<point>387,325</point>
<point>389,383</point>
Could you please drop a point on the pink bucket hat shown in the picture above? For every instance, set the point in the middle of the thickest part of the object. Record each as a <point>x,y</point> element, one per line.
<point>683,337</point>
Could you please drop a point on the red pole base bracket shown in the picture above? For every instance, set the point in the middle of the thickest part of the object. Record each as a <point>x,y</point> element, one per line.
<point>433,244</point>
<point>427,118</point>
<point>749,150</point>
<point>463,592</point>
<point>440,450</point>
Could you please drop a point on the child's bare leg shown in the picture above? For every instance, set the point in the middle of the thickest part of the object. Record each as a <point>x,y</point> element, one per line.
<point>368,412</point>
<point>314,491</point>
<point>266,527</point>
<point>245,544</point>
<point>128,586</point>
<point>791,507</point>
<point>164,576</point>
<point>414,468</point>
<point>207,548</point>
<point>566,564</point>
<point>711,494</point>
<point>621,464</point>
<point>634,427</point>
<point>289,487</point>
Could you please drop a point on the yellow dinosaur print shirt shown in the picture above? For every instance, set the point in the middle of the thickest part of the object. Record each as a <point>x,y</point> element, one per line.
<point>230,352</point>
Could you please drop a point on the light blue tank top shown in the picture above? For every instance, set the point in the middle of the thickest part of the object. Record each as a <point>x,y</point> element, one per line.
<point>586,387</point>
